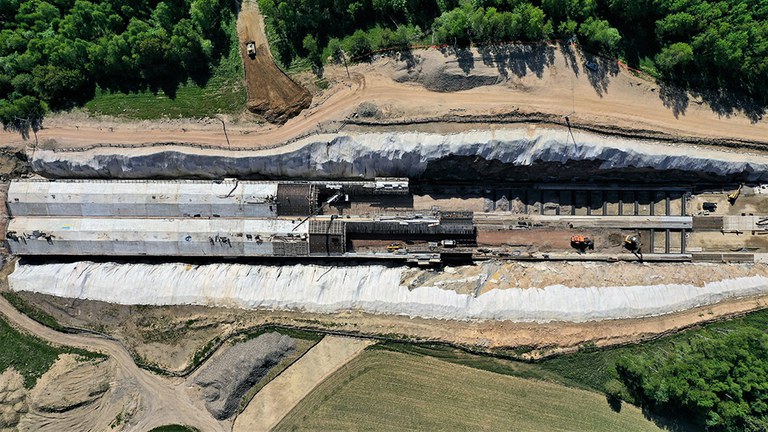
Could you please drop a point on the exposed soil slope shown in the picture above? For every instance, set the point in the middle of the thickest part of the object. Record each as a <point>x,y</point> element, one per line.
<point>271,92</point>
<point>160,400</point>
<point>277,398</point>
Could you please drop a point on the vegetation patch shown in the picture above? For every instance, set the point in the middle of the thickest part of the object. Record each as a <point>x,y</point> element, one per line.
<point>55,55</point>
<point>710,46</point>
<point>36,314</point>
<point>31,356</point>
<point>709,377</point>
<point>223,93</point>
<point>381,390</point>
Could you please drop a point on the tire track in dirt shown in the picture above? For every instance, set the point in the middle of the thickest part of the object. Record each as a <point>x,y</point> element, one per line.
<point>161,400</point>
<point>629,102</point>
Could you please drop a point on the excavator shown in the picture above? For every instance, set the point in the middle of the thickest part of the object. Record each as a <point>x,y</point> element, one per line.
<point>733,196</point>
<point>632,243</point>
<point>582,243</point>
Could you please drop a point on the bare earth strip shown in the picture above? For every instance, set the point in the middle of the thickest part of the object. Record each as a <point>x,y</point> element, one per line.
<point>620,101</point>
<point>271,92</point>
<point>161,400</point>
<point>283,393</point>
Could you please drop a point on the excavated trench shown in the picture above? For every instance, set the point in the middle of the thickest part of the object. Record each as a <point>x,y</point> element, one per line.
<point>473,157</point>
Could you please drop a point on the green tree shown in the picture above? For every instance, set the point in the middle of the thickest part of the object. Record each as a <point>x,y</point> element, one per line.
<point>22,114</point>
<point>358,45</point>
<point>534,25</point>
<point>719,381</point>
<point>674,59</point>
<point>562,10</point>
<point>599,34</point>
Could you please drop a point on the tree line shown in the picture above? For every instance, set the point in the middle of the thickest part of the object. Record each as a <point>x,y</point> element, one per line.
<point>718,380</point>
<point>54,53</point>
<point>719,45</point>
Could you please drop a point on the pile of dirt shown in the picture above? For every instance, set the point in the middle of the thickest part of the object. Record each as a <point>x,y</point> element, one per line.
<point>226,378</point>
<point>440,75</point>
<point>58,392</point>
<point>80,395</point>
<point>499,275</point>
<point>12,399</point>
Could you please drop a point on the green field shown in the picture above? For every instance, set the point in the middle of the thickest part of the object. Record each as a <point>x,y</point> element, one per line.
<point>385,390</point>
<point>30,356</point>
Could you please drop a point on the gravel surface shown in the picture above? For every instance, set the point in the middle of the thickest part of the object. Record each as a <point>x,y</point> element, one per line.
<point>228,377</point>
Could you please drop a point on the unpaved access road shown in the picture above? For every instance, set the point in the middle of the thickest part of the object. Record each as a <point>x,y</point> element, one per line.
<point>161,400</point>
<point>282,394</point>
<point>562,87</point>
<point>271,92</point>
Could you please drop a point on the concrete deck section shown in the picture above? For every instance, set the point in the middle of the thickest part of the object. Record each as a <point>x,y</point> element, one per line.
<point>146,198</point>
<point>159,237</point>
<point>745,223</point>
<point>282,394</point>
<point>628,222</point>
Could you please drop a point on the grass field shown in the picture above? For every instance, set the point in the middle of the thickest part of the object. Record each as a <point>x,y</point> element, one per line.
<point>386,390</point>
<point>30,356</point>
<point>590,368</point>
<point>224,93</point>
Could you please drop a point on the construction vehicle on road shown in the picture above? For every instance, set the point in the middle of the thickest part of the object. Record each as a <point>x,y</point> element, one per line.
<point>582,243</point>
<point>735,195</point>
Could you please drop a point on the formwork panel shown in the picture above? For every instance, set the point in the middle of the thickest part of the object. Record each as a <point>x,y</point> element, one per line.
<point>296,199</point>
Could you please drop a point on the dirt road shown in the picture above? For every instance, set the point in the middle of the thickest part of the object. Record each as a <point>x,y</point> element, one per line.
<point>282,394</point>
<point>161,400</point>
<point>562,87</point>
<point>271,92</point>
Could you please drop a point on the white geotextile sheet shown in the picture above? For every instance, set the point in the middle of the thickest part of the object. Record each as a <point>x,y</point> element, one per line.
<point>369,288</point>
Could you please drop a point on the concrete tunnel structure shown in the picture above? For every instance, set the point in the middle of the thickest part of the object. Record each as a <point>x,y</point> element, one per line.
<point>190,218</point>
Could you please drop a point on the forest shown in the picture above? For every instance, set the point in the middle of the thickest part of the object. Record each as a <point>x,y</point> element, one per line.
<point>54,54</point>
<point>719,47</point>
<point>719,380</point>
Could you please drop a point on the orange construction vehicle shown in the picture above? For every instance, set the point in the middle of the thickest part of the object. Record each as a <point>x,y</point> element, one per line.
<point>582,243</point>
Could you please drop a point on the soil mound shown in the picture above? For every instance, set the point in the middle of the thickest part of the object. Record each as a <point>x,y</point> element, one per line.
<point>12,399</point>
<point>69,384</point>
<point>438,74</point>
<point>228,377</point>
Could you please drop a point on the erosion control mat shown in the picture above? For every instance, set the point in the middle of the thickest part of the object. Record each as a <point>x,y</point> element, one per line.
<point>271,93</point>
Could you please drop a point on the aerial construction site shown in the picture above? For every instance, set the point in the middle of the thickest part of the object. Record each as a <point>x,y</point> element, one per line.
<point>501,204</point>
